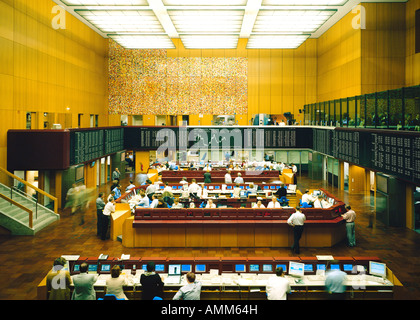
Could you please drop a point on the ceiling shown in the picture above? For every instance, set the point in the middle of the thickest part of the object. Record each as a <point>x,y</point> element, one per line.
<point>210,24</point>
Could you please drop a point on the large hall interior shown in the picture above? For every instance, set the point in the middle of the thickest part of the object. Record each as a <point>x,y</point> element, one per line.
<point>213,122</point>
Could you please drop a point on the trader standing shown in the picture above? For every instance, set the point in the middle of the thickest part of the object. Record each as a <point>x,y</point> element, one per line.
<point>349,217</point>
<point>297,221</point>
<point>100,205</point>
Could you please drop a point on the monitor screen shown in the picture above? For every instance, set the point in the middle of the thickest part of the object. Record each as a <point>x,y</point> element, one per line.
<point>76,267</point>
<point>211,187</point>
<point>348,267</point>
<point>160,268</point>
<point>243,194</point>
<point>282,266</point>
<point>162,187</point>
<point>317,193</point>
<point>200,268</point>
<point>217,187</point>
<point>272,187</point>
<point>241,187</point>
<point>229,187</point>
<point>174,187</point>
<point>277,187</point>
<point>144,267</point>
<point>267,268</point>
<point>174,269</point>
<point>93,267</point>
<point>377,269</point>
<point>239,268</point>
<point>254,268</point>
<point>105,267</point>
<point>296,268</point>
<point>180,187</point>
<point>335,267</point>
<point>309,268</point>
<point>265,187</point>
<point>186,268</point>
<point>320,267</point>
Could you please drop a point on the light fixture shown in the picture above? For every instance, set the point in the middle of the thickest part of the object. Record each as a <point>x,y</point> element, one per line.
<point>141,41</point>
<point>105,2</point>
<point>276,41</point>
<point>304,2</point>
<point>203,41</point>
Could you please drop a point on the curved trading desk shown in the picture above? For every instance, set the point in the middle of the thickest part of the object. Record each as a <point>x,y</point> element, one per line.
<point>232,227</point>
<point>240,278</point>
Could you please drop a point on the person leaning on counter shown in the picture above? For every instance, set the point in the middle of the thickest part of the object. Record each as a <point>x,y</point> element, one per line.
<point>297,221</point>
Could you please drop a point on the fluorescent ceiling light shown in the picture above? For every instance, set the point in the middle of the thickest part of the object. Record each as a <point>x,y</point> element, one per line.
<point>280,21</point>
<point>144,41</point>
<point>135,21</point>
<point>304,2</point>
<point>210,41</point>
<point>105,2</point>
<point>204,2</point>
<point>276,41</point>
<point>207,21</point>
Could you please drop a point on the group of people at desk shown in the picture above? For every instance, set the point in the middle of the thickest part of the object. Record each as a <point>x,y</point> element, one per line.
<point>155,197</point>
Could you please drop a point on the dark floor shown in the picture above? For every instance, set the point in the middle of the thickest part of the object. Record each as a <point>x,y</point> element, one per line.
<point>25,260</point>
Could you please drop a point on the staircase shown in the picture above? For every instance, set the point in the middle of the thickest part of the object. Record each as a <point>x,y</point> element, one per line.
<point>16,219</point>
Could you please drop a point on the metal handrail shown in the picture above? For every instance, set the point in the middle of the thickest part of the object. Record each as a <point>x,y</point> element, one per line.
<point>13,202</point>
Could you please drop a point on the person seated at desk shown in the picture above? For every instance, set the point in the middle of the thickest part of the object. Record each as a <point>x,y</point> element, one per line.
<point>177,205</point>
<point>144,201</point>
<point>152,284</point>
<point>321,203</point>
<point>191,291</point>
<point>117,192</point>
<point>83,284</point>
<point>258,205</point>
<point>239,179</point>
<point>167,187</point>
<point>193,188</point>
<point>252,189</point>
<point>207,177</point>
<point>192,205</point>
<point>61,289</point>
<point>184,181</point>
<point>155,201</point>
<point>210,204</point>
<point>281,192</point>
<point>237,191</point>
<point>306,197</point>
<point>228,177</point>
<point>115,284</point>
<point>184,192</point>
<point>130,186</point>
<point>274,203</point>
<point>151,188</point>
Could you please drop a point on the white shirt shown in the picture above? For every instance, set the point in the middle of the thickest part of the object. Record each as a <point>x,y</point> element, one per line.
<point>277,288</point>
<point>256,207</point>
<point>296,219</point>
<point>145,201</point>
<point>228,178</point>
<point>193,188</point>
<point>151,189</point>
<point>294,169</point>
<point>109,208</point>
<point>321,204</point>
<point>307,198</point>
<point>239,180</point>
<point>236,192</point>
<point>274,205</point>
<point>202,193</point>
<point>131,186</point>
<point>211,206</point>
<point>154,203</point>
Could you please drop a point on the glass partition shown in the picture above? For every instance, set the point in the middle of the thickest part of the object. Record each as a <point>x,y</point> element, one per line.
<point>351,112</point>
<point>371,118</point>
<point>344,113</point>
<point>412,108</point>
<point>396,109</point>
<point>382,111</point>
<point>361,111</point>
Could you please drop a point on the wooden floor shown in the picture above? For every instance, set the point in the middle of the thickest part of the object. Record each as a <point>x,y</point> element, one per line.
<point>25,260</point>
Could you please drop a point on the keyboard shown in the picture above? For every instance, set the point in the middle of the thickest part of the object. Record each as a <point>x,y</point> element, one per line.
<point>173,280</point>
<point>316,278</point>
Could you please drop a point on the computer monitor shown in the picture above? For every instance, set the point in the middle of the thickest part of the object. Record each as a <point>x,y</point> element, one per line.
<point>267,268</point>
<point>316,193</point>
<point>200,268</point>
<point>239,268</point>
<point>93,268</point>
<point>278,187</point>
<point>217,187</point>
<point>144,267</point>
<point>162,187</point>
<point>266,188</point>
<point>76,268</point>
<point>180,187</point>
<point>283,266</point>
<point>335,267</point>
<point>186,268</point>
<point>331,200</point>
<point>377,269</point>
<point>160,268</point>
<point>273,187</point>
<point>242,187</point>
<point>347,267</point>
<point>105,268</point>
<point>309,267</point>
<point>243,194</point>
<point>254,268</point>
<point>211,187</point>
<point>174,269</point>
<point>228,187</point>
<point>174,187</point>
<point>321,267</point>
<point>296,269</point>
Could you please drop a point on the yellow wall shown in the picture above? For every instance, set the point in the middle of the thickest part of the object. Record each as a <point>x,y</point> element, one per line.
<point>412,65</point>
<point>47,70</point>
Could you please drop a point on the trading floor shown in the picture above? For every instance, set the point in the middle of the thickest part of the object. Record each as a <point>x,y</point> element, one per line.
<point>397,247</point>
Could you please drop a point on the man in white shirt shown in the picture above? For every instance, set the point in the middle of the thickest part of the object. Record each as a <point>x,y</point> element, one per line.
<point>239,179</point>
<point>228,177</point>
<point>278,286</point>
<point>109,208</point>
<point>274,203</point>
<point>321,203</point>
<point>297,221</point>
<point>236,191</point>
<point>193,188</point>
<point>306,197</point>
<point>202,193</point>
<point>151,189</point>
<point>155,202</point>
<point>144,201</point>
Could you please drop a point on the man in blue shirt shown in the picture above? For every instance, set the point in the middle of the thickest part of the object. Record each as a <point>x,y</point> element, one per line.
<point>117,191</point>
<point>334,284</point>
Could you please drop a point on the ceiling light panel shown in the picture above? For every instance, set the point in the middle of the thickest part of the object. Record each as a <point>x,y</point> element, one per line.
<point>204,2</point>
<point>143,41</point>
<point>105,2</point>
<point>304,2</point>
<point>110,21</point>
<point>207,21</point>
<point>284,21</point>
<point>210,41</point>
<point>276,41</point>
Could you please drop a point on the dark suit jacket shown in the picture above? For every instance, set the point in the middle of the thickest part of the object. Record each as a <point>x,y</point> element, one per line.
<point>152,286</point>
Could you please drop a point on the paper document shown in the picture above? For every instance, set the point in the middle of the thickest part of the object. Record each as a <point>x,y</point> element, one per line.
<point>325,257</point>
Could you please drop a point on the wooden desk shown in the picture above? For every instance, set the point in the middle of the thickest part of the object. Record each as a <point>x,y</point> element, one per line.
<point>122,212</point>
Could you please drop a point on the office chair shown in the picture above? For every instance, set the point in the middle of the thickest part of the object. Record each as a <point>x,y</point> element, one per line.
<point>110,297</point>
